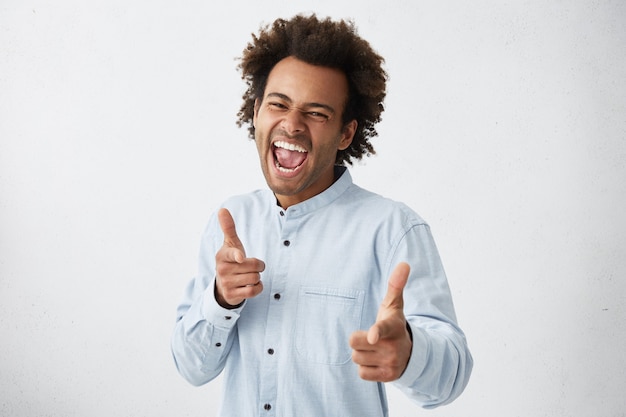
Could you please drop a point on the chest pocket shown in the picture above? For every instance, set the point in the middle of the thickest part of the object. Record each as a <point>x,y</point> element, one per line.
<point>325,318</point>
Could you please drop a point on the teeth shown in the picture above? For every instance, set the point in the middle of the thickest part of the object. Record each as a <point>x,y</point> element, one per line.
<point>289,146</point>
<point>283,169</point>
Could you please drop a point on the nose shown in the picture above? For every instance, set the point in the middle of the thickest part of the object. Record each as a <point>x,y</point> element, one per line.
<point>293,121</point>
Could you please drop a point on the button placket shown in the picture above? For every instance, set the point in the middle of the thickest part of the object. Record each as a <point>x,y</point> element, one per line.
<point>270,362</point>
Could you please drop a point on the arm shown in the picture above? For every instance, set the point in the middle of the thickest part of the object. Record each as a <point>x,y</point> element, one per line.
<point>415,341</point>
<point>440,363</point>
<point>206,319</point>
<point>203,334</point>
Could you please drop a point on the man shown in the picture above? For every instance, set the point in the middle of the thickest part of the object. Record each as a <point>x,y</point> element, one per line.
<point>311,295</point>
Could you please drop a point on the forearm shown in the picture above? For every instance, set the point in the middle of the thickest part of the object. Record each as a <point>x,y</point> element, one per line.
<point>440,364</point>
<point>202,338</point>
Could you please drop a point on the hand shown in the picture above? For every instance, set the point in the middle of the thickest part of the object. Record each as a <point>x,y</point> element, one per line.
<point>238,277</point>
<point>383,351</point>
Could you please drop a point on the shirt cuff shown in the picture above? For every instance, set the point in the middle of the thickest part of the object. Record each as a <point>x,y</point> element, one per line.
<point>216,314</point>
<point>418,359</point>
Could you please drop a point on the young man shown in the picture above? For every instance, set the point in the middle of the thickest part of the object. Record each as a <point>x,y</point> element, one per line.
<point>312,294</point>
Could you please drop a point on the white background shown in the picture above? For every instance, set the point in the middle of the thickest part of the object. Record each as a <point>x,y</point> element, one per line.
<point>505,129</point>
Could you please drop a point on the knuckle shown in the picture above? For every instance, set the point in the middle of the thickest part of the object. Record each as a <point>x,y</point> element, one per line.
<point>228,294</point>
<point>386,374</point>
<point>258,265</point>
<point>222,269</point>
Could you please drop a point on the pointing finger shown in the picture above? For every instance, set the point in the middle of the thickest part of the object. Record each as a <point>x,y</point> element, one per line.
<point>392,303</point>
<point>227,224</point>
<point>395,286</point>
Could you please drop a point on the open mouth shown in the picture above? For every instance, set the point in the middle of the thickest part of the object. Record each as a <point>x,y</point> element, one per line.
<point>288,157</point>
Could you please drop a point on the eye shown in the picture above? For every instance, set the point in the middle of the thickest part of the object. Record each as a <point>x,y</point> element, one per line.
<point>318,116</point>
<point>275,105</point>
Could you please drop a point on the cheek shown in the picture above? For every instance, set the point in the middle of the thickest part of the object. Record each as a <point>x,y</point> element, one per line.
<point>258,140</point>
<point>328,149</point>
<point>263,124</point>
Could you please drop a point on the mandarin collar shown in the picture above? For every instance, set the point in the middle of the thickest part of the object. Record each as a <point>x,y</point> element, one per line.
<point>341,184</point>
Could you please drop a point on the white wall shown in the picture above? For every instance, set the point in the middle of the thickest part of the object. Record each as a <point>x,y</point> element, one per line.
<point>505,128</point>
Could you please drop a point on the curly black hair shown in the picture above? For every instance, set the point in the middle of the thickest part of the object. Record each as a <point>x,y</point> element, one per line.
<point>327,43</point>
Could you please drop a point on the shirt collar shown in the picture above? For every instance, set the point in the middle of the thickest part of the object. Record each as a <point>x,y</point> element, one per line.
<point>343,182</point>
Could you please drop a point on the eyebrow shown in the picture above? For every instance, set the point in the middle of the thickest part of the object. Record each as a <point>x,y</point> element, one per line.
<point>306,105</point>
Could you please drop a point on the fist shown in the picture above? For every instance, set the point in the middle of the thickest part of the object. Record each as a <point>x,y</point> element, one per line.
<point>383,351</point>
<point>237,277</point>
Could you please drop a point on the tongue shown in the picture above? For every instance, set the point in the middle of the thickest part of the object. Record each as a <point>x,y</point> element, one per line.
<point>289,159</point>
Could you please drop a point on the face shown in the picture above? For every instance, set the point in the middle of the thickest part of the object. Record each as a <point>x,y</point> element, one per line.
<point>299,129</point>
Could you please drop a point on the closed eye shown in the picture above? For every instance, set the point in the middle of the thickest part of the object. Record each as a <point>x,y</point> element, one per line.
<point>316,112</point>
<point>318,116</point>
<point>277,106</point>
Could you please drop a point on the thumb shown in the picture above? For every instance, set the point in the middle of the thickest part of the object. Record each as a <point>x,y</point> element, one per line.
<point>392,302</point>
<point>227,224</point>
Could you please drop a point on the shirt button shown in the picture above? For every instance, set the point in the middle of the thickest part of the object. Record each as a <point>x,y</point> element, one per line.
<point>227,317</point>
<point>276,296</point>
<point>282,213</point>
<point>270,351</point>
<point>286,243</point>
<point>267,407</point>
<point>218,344</point>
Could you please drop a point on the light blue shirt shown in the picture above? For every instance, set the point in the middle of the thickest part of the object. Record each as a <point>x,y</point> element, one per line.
<point>285,353</point>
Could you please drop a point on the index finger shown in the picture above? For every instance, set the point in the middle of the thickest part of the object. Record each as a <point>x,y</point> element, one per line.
<point>397,281</point>
<point>227,224</point>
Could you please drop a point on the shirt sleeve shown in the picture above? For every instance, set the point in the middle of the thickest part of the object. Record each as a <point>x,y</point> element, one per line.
<point>204,331</point>
<point>441,363</point>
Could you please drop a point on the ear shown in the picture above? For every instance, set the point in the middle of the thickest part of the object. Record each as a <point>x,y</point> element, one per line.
<point>257,104</point>
<point>349,129</point>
